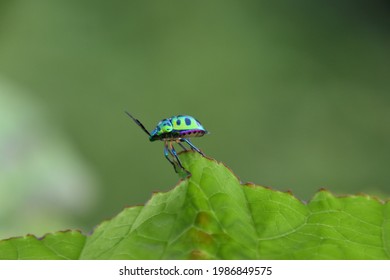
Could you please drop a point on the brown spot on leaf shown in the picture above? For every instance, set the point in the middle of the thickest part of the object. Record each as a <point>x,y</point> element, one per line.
<point>201,237</point>
<point>202,219</point>
<point>198,255</point>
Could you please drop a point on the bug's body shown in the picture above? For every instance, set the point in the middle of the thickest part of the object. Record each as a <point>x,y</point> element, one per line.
<point>175,129</point>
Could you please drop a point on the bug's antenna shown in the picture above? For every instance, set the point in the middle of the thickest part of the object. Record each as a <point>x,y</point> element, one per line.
<point>138,123</point>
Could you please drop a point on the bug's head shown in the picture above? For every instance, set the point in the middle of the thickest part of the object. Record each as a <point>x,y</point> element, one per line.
<point>165,126</point>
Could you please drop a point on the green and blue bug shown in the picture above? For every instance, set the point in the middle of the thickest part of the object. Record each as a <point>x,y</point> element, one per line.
<point>176,129</point>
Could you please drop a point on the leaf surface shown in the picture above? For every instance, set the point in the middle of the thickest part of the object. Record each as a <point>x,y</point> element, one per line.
<point>64,245</point>
<point>211,215</point>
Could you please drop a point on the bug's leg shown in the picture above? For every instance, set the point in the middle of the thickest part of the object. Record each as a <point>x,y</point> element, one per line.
<point>166,154</point>
<point>192,145</point>
<point>185,140</point>
<point>173,151</point>
<point>181,145</point>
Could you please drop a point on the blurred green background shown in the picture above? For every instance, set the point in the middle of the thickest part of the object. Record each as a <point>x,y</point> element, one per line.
<point>294,93</point>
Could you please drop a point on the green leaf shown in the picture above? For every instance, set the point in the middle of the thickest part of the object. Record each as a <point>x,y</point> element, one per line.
<point>211,215</point>
<point>64,245</point>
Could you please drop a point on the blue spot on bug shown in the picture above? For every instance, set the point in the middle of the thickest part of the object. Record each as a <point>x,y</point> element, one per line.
<point>178,122</point>
<point>188,121</point>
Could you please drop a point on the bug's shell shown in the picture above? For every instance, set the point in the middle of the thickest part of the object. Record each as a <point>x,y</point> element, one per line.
<point>177,127</point>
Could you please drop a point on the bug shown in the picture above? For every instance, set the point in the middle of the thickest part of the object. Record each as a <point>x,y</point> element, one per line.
<point>176,129</point>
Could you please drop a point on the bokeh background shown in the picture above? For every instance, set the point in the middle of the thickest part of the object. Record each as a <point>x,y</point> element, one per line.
<point>296,95</point>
